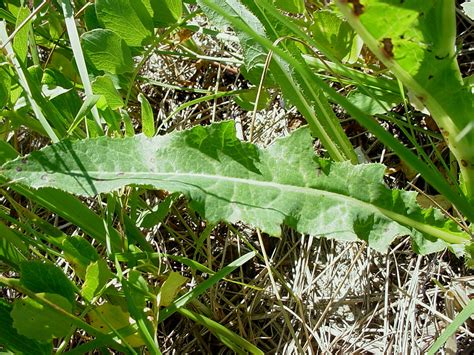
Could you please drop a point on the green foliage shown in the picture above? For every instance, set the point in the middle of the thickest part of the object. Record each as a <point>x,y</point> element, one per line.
<point>223,178</point>
<point>97,275</point>
<point>295,6</point>
<point>38,322</point>
<point>336,34</point>
<point>12,340</point>
<point>128,19</point>
<point>148,121</point>
<point>107,51</point>
<point>230,180</point>
<point>164,12</point>
<point>38,277</point>
<point>418,47</point>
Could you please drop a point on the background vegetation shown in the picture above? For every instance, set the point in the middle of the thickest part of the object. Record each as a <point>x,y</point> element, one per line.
<point>152,150</point>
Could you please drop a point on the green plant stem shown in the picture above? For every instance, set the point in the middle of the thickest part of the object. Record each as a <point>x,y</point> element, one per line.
<point>79,57</point>
<point>24,83</point>
<point>462,149</point>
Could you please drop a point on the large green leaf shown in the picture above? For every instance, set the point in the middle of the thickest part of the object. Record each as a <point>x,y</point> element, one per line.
<point>227,179</point>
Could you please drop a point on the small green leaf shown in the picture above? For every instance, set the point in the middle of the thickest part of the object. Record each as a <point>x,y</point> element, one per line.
<point>7,152</point>
<point>103,85</point>
<point>170,288</point>
<point>107,51</point>
<point>39,322</point>
<point>246,100</point>
<point>164,12</point>
<point>20,42</point>
<point>97,276</point>
<point>148,121</point>
<point>335,33</point>
<point>129,19</point>
<point>11,340</point>
<point>5,85</point>
<point>115,317</point>
<point>380,101</point>
<point>293,6</point>
<point>79,253</point>
<point>41,276</point>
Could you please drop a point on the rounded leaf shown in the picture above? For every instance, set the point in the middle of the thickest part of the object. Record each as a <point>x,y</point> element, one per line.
<point>107,51</point>
<point>37,321</point>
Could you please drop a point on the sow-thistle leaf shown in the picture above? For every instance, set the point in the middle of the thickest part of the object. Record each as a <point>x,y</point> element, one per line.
<point>230,180</point>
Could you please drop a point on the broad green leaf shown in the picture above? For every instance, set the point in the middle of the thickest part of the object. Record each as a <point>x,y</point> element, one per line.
<point>39,322</point>
<point>129,19</point>
<point>164,12</point>
<point>11,340</point>
<point>40,276</point>
<point>103,85</point>
<point>97,276</point>
<point>107,51</point>
<point>148,121</point>
<point>170,288</point>
<point>234,181</point>
<point>294,6</point>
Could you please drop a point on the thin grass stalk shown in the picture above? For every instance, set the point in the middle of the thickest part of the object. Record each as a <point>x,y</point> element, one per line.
<point>79,57</point>
<point>24,84</point>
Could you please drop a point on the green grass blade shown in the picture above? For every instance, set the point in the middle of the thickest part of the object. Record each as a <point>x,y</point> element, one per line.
<point>26,87</point>
<point>202,287</point>
<point>234,341</point>
<point>79,55</point>
<point>467,312</point>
